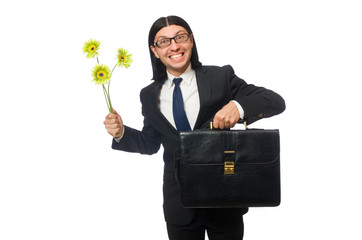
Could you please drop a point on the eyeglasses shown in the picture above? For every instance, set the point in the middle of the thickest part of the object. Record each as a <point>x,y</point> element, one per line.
<point>164,42</point>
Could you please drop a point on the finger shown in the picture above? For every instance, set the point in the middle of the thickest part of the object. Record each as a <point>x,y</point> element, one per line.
<point>215,123</point>
<point>220,121</point>
<point>119,120</point>
<point>111,116</point>
<point>107,122</point>
<point>111,121</point>
<point>114,126</point>
<point>110,127</point>
<point>228,123</point>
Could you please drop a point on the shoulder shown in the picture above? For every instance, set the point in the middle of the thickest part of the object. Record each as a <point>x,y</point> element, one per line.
<point>151,89</point>
<point>218,72</point>
<point>215,69</point>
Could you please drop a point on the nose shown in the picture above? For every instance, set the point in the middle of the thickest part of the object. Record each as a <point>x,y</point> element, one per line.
<point>174,45</point>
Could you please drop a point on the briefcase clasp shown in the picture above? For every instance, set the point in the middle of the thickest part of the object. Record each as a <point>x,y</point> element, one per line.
<point>229,164</point>
<point>229,168</point>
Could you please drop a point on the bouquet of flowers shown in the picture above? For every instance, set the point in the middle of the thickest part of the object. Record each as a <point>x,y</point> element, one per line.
<point>102,74</point>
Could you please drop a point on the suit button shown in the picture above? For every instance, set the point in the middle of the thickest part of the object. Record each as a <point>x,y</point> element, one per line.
<point>260,115</point>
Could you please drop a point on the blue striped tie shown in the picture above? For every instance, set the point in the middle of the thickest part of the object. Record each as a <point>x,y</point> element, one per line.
<point>179,115</point>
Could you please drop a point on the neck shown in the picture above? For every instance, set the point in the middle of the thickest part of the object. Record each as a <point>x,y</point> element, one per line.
<point>179,72</point>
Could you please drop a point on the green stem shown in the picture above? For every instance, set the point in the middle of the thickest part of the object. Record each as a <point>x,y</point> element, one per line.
<point>114,68</point>
<point>105,95</point>
<point>108,99</point>
<point>108,93</point>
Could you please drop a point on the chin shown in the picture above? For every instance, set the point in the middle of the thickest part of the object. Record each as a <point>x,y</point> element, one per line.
<point>179,69</point>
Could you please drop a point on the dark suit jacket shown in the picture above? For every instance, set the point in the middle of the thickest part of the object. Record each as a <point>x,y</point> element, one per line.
<point>217,86</point>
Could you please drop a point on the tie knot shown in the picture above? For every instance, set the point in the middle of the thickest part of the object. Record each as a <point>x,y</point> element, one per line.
<point>177,81</point>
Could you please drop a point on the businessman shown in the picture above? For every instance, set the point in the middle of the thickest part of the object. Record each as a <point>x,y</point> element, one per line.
<point>184,96</point>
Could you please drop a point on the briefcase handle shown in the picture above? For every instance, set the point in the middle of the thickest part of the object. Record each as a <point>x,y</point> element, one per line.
<point>212,125</point>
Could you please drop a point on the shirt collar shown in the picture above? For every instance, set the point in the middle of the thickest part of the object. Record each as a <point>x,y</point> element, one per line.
<point>186,77</point>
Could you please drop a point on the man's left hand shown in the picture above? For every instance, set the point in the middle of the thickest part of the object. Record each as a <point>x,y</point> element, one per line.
<point>227,117</point>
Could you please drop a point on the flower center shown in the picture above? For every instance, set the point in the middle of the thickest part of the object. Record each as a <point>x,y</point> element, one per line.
<point>122,59</point>
<point>92,48</point>
<point>101,74</point>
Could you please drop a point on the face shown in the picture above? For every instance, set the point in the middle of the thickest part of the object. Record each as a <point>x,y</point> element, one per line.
<point>176,57</point>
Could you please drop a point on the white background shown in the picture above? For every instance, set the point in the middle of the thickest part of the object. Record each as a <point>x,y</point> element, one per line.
<point>59,178</point>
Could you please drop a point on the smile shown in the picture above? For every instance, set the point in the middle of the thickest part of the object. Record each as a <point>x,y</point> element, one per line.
<point>176,56</point>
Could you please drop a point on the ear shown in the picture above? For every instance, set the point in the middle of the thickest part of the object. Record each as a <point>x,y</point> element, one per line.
<point>154,51</point>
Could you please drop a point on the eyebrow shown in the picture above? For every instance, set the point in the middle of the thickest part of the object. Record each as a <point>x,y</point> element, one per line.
<point>161,37</point>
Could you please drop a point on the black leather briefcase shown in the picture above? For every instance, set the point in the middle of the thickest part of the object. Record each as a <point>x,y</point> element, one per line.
<point>229,168</point>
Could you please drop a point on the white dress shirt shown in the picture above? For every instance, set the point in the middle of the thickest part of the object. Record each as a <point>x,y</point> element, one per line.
<point>190,95</point>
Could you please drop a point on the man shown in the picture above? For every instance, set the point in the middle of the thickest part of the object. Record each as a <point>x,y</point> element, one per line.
<point>207,92</point>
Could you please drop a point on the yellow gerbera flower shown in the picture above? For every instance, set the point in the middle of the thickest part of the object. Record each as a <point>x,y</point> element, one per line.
<point>91,48</point>
<point>101,74</point>
<point>124,58</point>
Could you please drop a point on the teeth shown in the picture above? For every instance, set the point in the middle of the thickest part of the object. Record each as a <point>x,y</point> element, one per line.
<point>176,56</point>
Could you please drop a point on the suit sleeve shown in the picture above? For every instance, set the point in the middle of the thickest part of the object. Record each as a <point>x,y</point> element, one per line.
<point>137,142</point>
<point>257,102</point>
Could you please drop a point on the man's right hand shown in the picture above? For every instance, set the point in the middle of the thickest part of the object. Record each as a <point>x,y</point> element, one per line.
<point>114,124</point>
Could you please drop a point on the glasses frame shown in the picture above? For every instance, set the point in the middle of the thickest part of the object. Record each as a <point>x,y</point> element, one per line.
<point>174,38</point>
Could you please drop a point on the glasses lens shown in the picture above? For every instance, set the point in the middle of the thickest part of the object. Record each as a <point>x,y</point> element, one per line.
<point>163,42</point>
<point>181,37</point>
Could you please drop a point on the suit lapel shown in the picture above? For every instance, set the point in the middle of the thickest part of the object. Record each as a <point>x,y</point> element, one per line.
<point>204,83</point>
<point>155,112</point>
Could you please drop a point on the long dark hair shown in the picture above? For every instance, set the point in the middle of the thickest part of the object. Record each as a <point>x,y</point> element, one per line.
<point>158,68</point>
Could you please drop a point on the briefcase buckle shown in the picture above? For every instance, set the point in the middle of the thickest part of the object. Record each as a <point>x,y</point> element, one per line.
<point>229,168</point>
